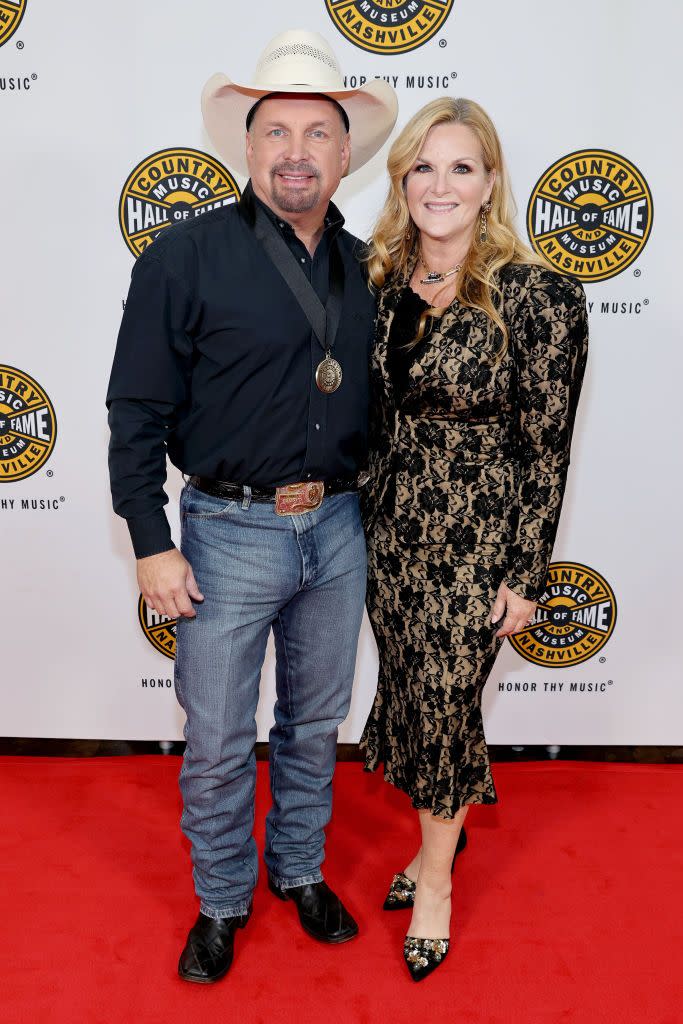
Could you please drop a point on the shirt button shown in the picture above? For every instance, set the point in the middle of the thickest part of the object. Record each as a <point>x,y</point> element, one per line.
<point>317,426</point>
<point>308,476</point>
<point>303,259</point>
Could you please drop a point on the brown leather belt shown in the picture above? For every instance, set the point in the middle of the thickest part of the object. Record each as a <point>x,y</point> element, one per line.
<point>292,499</point>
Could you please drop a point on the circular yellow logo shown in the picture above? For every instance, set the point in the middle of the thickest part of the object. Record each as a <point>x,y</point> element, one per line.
<point>28,425</point>
<point>388,26</point>
<point>590,214</point>
<point>11,13</point>
<point>159,629</point>
<point>574,619</point>
<point>168,187</point>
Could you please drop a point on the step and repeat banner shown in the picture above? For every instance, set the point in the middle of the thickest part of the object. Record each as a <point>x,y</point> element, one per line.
<point>103,149</point>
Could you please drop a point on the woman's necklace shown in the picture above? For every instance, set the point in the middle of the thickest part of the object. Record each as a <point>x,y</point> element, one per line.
<point>435,276</point>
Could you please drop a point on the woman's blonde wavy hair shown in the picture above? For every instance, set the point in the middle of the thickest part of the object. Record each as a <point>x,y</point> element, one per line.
<point>394,244</point>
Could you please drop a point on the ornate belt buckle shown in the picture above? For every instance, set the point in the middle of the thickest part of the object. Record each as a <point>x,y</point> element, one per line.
<point>294,499</point>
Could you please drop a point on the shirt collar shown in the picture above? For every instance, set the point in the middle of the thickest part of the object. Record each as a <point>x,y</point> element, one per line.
<point>334,221</point>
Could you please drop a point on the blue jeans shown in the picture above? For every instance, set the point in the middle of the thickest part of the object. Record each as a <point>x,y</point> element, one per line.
<point>304,577</point>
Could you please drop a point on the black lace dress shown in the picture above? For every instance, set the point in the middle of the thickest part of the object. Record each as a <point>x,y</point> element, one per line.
<point>468,463</point>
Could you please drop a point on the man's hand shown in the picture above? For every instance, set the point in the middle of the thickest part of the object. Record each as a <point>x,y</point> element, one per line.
<point>167,584</point>
<point>519,611</point>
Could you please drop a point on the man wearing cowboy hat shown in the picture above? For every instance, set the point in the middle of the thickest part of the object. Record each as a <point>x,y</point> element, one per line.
<point>243,355</point>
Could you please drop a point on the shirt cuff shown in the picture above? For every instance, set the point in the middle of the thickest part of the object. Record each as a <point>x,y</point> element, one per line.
<point>150,534</point>
<point>529,591</point>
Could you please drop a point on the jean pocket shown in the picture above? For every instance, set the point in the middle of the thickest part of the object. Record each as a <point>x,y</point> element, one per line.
<point>196,504</point>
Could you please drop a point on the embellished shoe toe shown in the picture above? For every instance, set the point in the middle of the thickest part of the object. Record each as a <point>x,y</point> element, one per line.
<point>422,956</point>
<point>401,893</point>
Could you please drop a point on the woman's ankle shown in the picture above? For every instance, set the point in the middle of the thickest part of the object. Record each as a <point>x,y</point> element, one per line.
<point>435,884</point>
<point>412,871</point>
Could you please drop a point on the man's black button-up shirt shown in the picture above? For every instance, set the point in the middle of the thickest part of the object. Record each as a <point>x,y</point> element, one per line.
<point>215,366</point>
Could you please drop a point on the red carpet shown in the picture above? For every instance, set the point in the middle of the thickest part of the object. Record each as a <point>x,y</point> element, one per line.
<point>567,906</point>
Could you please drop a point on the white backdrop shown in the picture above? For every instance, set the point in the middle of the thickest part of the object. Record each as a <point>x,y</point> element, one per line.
<point>86,94</point>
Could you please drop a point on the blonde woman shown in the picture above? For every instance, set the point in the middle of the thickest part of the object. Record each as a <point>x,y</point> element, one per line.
<point>477,369</point>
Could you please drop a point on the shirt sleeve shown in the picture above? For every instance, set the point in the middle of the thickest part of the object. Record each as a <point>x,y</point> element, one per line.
<point>148,386</point>
<point>550,346</point>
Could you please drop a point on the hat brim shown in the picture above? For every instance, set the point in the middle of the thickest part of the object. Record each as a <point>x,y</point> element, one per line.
<point>372,111</point>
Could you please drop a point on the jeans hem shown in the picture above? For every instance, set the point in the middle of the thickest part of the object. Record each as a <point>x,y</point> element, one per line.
<point>292,883</point>
<point>237,910</point>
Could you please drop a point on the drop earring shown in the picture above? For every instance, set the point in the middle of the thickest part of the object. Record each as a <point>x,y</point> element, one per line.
<point>483,229</point>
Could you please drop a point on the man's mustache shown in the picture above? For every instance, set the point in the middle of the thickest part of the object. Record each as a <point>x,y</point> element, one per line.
<point>285,168</point>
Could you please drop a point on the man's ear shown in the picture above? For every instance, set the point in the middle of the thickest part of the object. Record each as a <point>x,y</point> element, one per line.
<point>346,154</point>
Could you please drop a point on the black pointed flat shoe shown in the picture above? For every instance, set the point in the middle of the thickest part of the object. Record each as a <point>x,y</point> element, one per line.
<point>322,914</point>
<point>423,956</point>
<point>402,889</point>
<point>209,949</point>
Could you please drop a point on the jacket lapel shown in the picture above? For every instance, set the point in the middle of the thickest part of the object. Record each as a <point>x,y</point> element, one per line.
<point>386,308</point>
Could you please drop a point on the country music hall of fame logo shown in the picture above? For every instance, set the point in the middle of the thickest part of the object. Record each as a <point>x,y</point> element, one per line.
<point>168,187</point>
<point>159,629</point>
<point>575,618</point>
<point>388,26</point>
<point>11,13</point>
<point>590,214</point>
<point>28,425</point>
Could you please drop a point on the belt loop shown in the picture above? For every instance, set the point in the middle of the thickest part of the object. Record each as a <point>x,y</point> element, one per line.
<point>246,500</point>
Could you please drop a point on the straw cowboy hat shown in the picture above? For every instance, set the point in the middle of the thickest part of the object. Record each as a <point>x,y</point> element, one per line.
<point>300,62</point>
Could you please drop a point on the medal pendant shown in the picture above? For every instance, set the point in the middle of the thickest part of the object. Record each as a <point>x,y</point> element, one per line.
<point>328,375</point>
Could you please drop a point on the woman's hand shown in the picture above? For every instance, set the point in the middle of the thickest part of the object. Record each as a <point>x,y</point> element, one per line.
<point>518,611</point>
